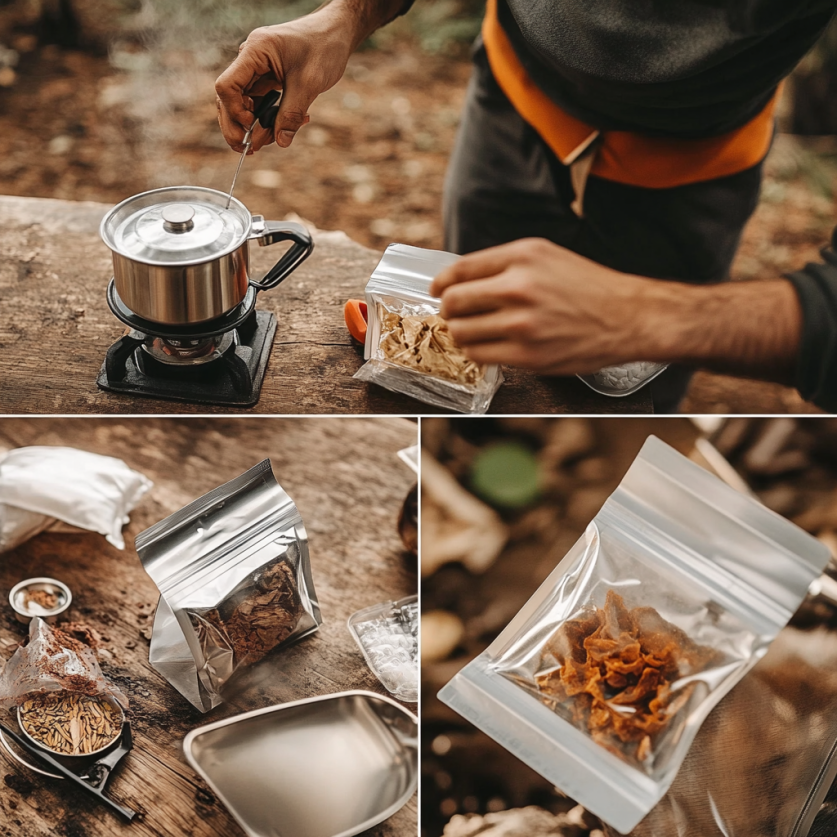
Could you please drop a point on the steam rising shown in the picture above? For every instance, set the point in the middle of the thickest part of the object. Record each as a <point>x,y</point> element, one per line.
<point>169,54</point>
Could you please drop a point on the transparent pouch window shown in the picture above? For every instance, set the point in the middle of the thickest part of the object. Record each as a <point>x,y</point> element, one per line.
<point>387,635</point>
<point>630,676</point>
<point>413,335</point>
<point>408,347</point>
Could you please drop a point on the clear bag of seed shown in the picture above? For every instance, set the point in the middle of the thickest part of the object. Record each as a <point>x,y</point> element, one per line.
<point>387,635</point>
<point>408,347</point>
<point>603,679</point>
<point>234,576</point>
<point>623,379</point>
<point>53,660</point>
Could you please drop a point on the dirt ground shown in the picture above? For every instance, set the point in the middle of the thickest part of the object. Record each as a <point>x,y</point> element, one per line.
<point>84,127</point>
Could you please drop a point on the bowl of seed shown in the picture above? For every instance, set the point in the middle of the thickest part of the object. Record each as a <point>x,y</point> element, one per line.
<point>44,597</point>
<point>69,724</point>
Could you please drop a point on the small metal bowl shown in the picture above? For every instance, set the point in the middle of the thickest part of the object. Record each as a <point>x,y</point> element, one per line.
<point>72,759</point>
<point>26,610</point>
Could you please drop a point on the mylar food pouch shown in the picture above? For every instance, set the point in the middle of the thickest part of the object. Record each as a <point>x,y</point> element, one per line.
<point>603,679</point>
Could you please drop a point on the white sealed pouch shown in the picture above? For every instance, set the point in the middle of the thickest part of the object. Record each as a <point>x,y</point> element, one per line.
<point>602,680</point>
<point>408,347</point>
<point>40,484</point>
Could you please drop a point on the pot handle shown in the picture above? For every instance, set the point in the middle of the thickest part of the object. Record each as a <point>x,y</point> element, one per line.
<point>272,232</point>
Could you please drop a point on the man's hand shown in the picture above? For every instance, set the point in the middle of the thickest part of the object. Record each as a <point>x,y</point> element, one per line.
<point>302,58</point>
<point>536,305</point>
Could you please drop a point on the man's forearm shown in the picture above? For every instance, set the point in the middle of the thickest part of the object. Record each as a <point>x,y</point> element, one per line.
<point>364,16</point>
<point>750,329</point>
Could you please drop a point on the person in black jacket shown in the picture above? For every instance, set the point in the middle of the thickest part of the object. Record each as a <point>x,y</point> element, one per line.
<point>602,146</point>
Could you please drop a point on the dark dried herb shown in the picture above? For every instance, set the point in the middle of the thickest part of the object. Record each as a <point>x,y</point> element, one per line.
<point>267,616</point>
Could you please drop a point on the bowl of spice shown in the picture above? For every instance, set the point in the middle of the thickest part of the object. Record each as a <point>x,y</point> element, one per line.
<point>70,724</point>
<point>44,597</point>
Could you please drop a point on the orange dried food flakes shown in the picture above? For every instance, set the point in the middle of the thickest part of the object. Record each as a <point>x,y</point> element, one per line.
<point>615,666</point>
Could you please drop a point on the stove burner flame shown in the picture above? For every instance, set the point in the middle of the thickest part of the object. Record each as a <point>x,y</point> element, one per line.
<point>175,352</point>
<point>186,349</point>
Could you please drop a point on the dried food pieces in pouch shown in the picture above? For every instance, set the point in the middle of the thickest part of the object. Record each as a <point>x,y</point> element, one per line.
<point>602,680</point>
<point>409,348</point>
<point>53,661</point>
<point>613,668</point>
<point>235,582</point>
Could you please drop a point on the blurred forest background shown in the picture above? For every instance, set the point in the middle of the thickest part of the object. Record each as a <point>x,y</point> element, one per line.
<point>102,99</point>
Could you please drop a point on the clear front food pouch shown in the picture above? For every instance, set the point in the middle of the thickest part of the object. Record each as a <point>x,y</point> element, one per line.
<point>408,346</point>
<point>235,582</point>
<point>602,680</point>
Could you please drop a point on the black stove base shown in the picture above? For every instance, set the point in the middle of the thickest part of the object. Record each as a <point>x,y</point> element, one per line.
<point>232,380</point>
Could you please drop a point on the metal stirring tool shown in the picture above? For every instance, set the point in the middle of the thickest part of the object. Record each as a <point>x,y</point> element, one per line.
<point>265,115</point>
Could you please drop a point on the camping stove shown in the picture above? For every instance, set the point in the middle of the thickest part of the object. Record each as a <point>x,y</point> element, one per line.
<point>220,362</point>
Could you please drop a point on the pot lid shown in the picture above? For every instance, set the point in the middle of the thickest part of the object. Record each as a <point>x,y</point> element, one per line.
<point>176,225</point>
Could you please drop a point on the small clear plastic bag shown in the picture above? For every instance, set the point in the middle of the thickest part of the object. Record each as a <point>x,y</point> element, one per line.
<point>52,661</point>
<point>603,679</point>
<point>235,582</point>
<point>408,348</point>
<point>387,635</point>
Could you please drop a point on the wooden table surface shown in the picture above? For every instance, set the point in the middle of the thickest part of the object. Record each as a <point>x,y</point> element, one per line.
<point>56,327</point>
<point>348,484</point>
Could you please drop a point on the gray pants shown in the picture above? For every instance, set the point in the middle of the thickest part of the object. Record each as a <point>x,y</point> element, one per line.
<point>505,183</point>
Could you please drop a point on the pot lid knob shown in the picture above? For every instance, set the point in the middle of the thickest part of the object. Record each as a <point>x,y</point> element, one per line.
<point>177,217</point>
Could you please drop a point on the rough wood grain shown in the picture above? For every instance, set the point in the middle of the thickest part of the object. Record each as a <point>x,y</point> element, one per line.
<point>345,478</point>
<point>56,327</point>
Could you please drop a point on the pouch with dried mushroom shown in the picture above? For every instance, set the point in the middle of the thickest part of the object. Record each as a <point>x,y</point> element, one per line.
<point>235,583</point>
<point>604,678</point>
<point>409,348</point>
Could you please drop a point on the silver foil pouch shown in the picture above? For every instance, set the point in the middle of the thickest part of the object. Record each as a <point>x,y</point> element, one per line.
<point>408,348</point>
<point>235,582</point>
<point>677,588</point>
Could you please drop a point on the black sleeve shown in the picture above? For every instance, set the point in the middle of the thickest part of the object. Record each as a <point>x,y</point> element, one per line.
<point>816,368</point>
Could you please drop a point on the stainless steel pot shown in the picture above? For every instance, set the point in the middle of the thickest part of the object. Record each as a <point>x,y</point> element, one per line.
<point>181,257</point>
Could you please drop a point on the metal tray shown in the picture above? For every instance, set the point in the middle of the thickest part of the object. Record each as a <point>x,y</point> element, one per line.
<point>329,766</point>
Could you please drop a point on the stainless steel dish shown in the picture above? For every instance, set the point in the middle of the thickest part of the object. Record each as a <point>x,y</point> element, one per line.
<point>181,257</point>
<point>26,608</point>
<point>329,766</point>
